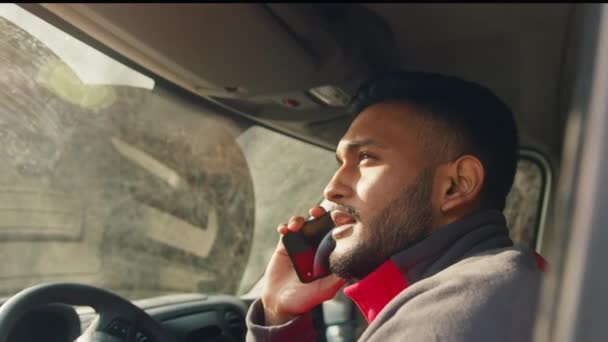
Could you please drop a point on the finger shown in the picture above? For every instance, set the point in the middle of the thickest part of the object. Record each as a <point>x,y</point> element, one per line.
<point>317,212</point>
<point>295,223</point>
<point>281,248</point>
<point>282,229</point>
<point>331,284</point>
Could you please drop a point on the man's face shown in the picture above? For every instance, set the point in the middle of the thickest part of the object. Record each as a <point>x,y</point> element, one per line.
<point>382,189</point>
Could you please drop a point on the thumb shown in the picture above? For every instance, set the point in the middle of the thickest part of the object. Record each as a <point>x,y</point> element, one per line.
<point>330,285</point>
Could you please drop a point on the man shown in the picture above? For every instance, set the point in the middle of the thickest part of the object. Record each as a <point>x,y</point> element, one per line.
<point>423,175</point>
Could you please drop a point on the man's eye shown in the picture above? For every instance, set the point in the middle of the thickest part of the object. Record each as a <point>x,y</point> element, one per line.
<point>365,155</point>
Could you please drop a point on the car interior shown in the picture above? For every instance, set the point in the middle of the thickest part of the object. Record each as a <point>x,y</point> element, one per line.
<point>124,119</point>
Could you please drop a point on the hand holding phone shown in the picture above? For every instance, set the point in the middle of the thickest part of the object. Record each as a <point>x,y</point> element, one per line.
<point>310,247</point>
<point>286,295</point>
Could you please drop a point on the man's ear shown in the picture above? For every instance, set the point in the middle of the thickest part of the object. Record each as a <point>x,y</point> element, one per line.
<point>462,183</point>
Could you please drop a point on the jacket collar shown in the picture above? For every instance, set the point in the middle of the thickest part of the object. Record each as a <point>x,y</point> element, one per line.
<point>481,231</point>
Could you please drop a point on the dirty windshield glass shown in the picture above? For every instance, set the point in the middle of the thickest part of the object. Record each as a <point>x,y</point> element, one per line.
<point>110,180</point>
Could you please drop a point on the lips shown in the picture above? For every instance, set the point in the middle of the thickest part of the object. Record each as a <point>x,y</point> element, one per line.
<point>341,231</point>
<point>341,218</point>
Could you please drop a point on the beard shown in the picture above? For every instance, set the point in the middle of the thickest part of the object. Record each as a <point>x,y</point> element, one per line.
<point>403,222</point>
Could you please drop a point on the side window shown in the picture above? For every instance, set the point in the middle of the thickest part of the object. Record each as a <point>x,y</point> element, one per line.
<point>288,177</point>
<point>528,198</point>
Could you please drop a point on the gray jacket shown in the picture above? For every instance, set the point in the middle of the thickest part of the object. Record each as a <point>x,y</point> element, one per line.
<point>466,282</point>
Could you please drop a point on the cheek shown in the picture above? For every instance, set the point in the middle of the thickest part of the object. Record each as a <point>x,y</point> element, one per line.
<point>376,187</point>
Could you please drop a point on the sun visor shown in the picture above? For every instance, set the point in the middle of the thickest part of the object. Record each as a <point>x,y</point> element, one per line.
<point>224,50</point>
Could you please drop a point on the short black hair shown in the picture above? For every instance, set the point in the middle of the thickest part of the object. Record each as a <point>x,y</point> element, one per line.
<point>484,124</point>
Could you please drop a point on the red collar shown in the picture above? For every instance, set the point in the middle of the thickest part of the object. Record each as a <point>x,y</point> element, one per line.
<point>372,293</point>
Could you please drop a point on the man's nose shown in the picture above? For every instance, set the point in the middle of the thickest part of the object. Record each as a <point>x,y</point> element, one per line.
<point>337,189</point>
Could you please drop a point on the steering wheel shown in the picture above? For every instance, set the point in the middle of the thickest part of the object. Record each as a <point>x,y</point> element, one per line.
<point>118,319</point>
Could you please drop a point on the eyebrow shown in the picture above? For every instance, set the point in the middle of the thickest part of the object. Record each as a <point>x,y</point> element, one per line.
<point>356,144</point>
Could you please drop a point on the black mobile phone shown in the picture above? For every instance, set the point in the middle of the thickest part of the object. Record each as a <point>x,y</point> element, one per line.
<point>309,248</point>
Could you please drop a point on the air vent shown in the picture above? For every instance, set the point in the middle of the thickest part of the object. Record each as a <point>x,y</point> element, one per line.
<point>235,323</point>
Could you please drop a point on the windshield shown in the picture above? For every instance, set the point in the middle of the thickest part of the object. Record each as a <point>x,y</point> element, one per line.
<point>109,179</point>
